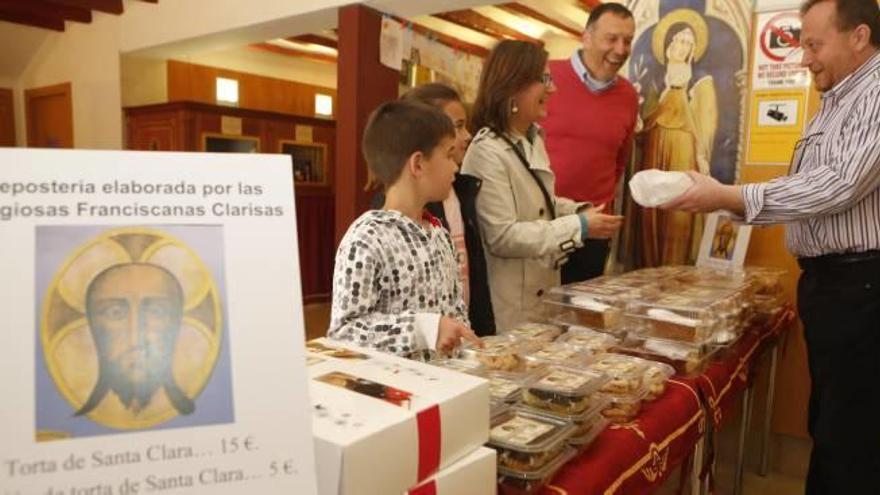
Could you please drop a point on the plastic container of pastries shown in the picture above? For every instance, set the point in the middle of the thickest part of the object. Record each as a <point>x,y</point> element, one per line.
<point>563,390</point>
<point>556,353</point>
<point>710,277</point>
<point>766,281</point>
<point>625,373</point>
<point>461,365</point>
<point>588,339</point>
<point>587,424</point>
<point>590,288</point>
<point>497,410</point>
<point>655,379</point>
<point>623,408</point>
<point>595,403</point>
<point>728,305</point>
<point>505,386</point>
<point>528,441</point>
<point>675,318</point>
<point>685,358</point>
<point>532,331</point>
<point>653,274</point>
<point>516,482</point>
<point>585,436</point>
<point>602,312</point>
<point>500,353</point>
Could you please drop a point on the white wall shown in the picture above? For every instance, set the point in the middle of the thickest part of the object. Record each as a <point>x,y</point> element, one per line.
<point>166,28</point>
<point>86,55</point>
<point>269,65</point>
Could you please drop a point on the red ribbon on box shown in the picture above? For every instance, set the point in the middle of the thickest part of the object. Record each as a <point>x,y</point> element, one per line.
<point>429,441</point>
<point>429,488</point>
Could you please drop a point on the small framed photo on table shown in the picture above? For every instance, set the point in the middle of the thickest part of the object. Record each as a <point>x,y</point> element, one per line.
<point>725,242</point>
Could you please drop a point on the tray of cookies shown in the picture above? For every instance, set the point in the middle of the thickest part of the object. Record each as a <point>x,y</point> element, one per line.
<point>528,441</point>
<point>563,390</point>
<point>517,482</point>
<point>623,408</point>
<point>506,386</point>
<point>711,277</point>
<point>592,341</point>
<point>533,331</point>
<point>499,353</point>
<point>588,432</point>
<point>685,358</point>
<point>625,373</point>
<point>655,379</point>
<point>556,353</point>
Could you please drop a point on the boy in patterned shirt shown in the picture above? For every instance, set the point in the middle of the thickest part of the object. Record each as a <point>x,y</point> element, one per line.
<point>396,285</point>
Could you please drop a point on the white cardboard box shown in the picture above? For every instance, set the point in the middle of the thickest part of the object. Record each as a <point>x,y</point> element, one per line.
<point>383,424</point>
<point>476,474</point>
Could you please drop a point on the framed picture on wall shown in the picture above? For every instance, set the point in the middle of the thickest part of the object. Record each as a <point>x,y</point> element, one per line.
<point>309,162</point>
<point>725,242</point>
<point>223,143</point>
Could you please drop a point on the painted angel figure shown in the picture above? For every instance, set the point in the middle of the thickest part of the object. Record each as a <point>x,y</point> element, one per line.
<point>678,133</point>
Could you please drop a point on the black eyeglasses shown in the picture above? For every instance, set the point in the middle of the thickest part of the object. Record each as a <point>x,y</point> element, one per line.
<point>797,154</point>
<point>546,79</point>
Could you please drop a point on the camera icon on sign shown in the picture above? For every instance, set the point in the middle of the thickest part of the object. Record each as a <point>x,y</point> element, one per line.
<point>776,114</point>
<point>785,36</point>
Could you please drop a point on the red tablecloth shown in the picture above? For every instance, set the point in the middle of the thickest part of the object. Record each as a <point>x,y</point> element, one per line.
<point>731,373</point>
<point>637,457</point>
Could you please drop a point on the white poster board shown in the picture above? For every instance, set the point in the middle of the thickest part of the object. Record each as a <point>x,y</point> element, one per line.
<point>725,242</point>
<point>153,331</point>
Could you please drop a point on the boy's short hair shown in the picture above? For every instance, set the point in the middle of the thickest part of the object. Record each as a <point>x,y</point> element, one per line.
<point>396,130</point>
<point>435,94</point>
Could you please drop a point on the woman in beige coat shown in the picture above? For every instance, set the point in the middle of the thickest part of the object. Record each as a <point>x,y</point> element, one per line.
<point>527,230</point>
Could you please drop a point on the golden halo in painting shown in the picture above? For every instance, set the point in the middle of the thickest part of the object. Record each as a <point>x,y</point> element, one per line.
<point>680,16</point>
<point>131,328</point>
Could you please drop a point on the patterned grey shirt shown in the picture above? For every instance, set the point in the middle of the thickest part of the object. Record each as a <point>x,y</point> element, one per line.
<point>832,195</point>
<point>392,281</point>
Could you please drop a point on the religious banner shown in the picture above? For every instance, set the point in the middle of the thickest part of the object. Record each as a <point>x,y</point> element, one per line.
<point>689,65</point>
<point>151,303</point>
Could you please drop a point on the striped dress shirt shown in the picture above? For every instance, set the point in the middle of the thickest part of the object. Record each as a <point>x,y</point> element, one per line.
<point>831,197</point>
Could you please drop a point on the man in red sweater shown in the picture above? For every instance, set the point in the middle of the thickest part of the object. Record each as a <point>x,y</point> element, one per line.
<point>590,123</point>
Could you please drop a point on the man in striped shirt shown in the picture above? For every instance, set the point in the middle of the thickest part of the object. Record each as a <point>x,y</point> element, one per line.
<point>831,203</point>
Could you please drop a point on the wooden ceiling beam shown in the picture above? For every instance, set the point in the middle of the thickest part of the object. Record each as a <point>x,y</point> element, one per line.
<point>445,39</point>
<point>106,6</point>
<point>53,23</point>
<point>315,40</point>
<point>473,20</point>
<point>42,8</point>
<point>290,52</point>
<point>522,10</point>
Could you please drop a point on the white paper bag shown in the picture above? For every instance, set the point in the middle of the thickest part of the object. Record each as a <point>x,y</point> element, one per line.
<point>653,187</point>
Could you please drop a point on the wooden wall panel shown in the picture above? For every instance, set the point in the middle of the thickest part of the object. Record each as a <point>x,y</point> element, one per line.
<point>180,126</point>
<point>192,82</point>
<point>7,118</point>
<point>364,84</point>
<point>49,116</point>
